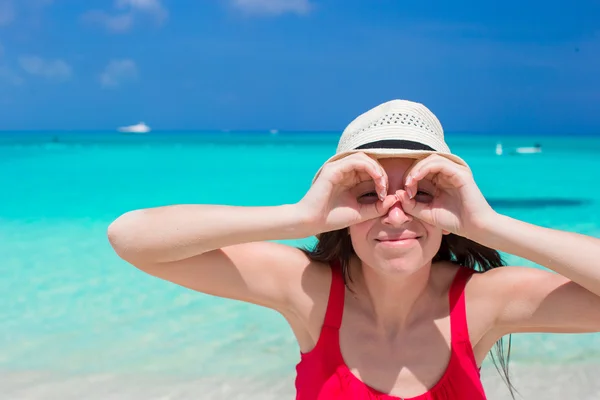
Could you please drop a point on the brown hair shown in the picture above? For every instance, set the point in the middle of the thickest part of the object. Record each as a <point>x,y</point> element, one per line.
<point>337,245</point>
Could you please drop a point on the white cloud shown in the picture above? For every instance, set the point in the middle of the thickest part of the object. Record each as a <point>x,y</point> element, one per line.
<point>274,7</point>
<point>7,12</point>
<point>51,69</point>
<point>117,72</point>
<point>128,12</point>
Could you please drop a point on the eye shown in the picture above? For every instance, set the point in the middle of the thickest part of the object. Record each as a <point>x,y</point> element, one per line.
<point>369,197</point>
<point>423,197</point>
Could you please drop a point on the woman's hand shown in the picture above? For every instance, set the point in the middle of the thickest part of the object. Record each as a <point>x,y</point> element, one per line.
<point>458,206</point>
<point>331,204</point>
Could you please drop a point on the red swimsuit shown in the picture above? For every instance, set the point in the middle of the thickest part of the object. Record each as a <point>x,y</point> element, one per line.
<point>323,375</point>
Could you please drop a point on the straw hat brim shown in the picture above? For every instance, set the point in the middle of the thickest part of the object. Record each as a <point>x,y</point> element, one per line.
<point>392,153</point>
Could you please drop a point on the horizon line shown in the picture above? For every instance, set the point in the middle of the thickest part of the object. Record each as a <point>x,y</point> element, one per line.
<point>275,132</point>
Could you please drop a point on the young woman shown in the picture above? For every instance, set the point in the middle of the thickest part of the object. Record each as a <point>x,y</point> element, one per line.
<point>401,297</point>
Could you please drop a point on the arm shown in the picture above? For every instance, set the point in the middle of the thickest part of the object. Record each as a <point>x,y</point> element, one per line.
<point>217,250</point>
<point>518,299</point>
<point>532,300</point>
<point>173,233</point>
<point>572,255</point>
<point>224,250</point>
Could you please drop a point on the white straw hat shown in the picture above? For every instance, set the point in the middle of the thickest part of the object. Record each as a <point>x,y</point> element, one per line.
<point>397,128</point>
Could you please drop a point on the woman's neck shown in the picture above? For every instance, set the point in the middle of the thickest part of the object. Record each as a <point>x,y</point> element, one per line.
<point>395,301</point>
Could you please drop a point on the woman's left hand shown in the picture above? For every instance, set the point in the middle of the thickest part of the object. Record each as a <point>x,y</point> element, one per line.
<point>457,206</point>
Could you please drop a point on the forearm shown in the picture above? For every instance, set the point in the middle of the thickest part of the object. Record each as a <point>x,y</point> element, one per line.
<point>177,232</point>
<point>572,255</point>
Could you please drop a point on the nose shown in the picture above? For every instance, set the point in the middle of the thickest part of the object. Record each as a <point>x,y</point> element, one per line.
<point>396,216</point>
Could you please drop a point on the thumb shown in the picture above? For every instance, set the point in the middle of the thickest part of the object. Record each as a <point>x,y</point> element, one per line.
<point>412,207</point>
<point>377,209</point>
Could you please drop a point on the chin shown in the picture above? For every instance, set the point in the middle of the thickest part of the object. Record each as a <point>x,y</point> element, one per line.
<point>405,264</point>
<point>402,257</point>
<point>401,266</point>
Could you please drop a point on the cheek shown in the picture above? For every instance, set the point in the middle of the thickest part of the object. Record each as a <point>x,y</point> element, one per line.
<point>433,243</point>
<point>360,231</point>
<point>358,235</point>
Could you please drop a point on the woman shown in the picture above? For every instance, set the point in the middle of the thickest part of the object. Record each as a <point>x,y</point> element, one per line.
<point>400,299</point>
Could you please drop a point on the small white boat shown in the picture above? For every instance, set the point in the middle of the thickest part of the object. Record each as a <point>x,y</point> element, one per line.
<point>137,128</point>
<point>537,148</point>
<point>529,150</point>
<point>499,149</point>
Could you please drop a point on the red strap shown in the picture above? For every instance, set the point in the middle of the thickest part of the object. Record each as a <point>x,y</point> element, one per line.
<point>458,310</point>
<point>335,304</point>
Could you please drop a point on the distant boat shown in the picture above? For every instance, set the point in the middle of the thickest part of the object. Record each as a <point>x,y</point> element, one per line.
<point>499,149</point>
<point>529,150</point>
<point>137,128</point>
<point>537,148</point>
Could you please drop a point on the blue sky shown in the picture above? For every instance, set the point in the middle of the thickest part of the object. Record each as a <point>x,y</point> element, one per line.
<point>511,66</point>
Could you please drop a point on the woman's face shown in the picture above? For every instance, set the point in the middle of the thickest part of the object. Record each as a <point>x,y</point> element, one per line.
<point>395,242</point>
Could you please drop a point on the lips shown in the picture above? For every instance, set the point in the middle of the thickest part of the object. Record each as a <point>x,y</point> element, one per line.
<point>397,238</point>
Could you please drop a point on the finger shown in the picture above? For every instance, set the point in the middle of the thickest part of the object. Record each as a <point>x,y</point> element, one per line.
<point>363,163</point>
<point>383,184</point>
<point>351,172</point>
<point>338,171</point>
<point>414,208</point>
<point>419,169</point>
<point>444,171</point>
<point>377,209</point>
<point>411,185</point>
<point>438,167</point>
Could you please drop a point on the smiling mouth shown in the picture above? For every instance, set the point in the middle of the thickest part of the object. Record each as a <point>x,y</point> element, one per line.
<point>398,240</point>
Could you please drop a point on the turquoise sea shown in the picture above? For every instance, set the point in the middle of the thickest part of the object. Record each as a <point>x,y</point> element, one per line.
<point>70,306</point>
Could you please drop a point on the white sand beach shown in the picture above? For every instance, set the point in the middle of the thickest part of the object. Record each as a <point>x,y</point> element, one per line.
<point>533,382</point>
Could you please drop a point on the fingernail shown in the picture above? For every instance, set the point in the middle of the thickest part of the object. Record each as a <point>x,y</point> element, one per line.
<point>382,194</point>
<point>409,191</point>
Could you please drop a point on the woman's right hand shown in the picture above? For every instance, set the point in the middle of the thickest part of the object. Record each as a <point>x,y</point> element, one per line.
<point>333,203</point>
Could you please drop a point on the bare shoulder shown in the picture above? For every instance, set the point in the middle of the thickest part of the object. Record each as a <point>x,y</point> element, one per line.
<point>299,277</point>
<point>503,285</point>
<point>480,305</point>
<point>304,284</point>
<point>515,299</point>
<point>491,290</point>
<point>526,299</point>
<point>508,276</point>
<point>443,275</point>
<point>309,303</point>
